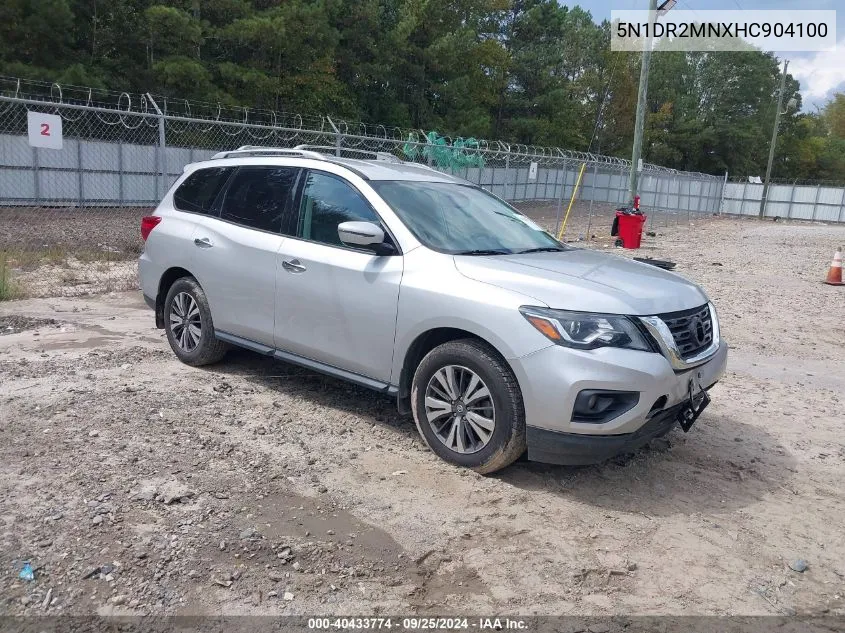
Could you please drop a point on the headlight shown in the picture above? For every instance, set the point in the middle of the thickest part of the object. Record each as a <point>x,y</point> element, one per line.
<point>585,330</point>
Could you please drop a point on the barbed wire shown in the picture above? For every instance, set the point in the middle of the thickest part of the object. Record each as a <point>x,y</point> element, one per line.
<point>118,108</point>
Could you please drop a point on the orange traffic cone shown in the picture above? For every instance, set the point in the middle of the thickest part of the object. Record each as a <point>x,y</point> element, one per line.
<point>834,275</point>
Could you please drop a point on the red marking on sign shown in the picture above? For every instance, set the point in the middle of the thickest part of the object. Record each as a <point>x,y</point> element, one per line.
<point>45,129</point>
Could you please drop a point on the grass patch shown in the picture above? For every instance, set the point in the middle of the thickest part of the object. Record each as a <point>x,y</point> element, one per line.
<point>8,288</point>
<point>29,259</point>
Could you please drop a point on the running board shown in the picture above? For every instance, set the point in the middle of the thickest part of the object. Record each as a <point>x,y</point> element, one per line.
<point>302,361</point>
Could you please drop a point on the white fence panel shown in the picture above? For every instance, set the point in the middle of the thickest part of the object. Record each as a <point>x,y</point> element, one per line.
<point>796,202</point>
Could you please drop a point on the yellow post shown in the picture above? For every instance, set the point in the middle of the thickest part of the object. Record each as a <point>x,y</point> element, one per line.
<point>572,201</point>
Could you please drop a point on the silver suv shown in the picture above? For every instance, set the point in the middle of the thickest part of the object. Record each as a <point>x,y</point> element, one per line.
<point>497,337</point>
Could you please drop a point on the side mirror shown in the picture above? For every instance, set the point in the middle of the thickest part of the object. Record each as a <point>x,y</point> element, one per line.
<point>360,233</point>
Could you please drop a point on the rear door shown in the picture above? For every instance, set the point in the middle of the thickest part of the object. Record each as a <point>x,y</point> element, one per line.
<point>236,249</point>
<point>334,303</point>
<point>196,196</point>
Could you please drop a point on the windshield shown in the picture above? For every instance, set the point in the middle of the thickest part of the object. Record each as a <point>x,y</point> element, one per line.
<point>462,219</point>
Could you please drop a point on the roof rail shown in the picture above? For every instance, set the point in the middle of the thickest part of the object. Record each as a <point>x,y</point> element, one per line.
<point>257,150</point>
<point>384,156</point>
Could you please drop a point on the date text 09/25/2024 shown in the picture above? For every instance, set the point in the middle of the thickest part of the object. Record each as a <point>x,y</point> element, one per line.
<point>418,624</point>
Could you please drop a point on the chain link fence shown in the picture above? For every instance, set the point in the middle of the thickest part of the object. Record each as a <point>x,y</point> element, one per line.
<point>70,217</point>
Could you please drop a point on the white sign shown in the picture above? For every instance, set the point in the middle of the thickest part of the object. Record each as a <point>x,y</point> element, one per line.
<point>45,130</point>
<point>532,171</point>
<point>795,30</point>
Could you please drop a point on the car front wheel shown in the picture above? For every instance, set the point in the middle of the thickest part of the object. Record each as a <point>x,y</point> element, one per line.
<point>468,406</point>
<point>188,324</point>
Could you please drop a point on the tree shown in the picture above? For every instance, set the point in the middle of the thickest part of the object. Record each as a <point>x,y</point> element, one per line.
<point>834,116</point>
<point>26,28</point>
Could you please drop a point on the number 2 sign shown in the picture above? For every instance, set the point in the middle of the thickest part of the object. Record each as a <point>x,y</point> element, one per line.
<point>45,130</point>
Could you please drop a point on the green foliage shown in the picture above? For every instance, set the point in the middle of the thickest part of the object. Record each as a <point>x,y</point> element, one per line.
<point>524,71</point>
<point>834,116</point>
<point>815,145</point>
<point>171,32</point>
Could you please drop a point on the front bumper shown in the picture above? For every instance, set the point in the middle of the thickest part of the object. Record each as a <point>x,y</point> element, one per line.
<point>572,449</point>
<point>551,378</point>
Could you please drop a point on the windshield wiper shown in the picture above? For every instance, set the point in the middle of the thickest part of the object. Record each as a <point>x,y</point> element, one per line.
<point>489,251</point>
<point>544,249</point>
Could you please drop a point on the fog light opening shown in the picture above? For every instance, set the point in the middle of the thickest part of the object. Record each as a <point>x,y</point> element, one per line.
<point>597,406</point>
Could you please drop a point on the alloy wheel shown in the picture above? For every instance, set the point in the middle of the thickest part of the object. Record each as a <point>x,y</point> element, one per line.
<point>185,321</point>
<point>459,407</point>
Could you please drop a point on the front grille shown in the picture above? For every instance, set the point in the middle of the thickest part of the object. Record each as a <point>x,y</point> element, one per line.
<point>691,329</point>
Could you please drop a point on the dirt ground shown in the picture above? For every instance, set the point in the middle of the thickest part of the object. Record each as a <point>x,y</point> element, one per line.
<point>66,251</point>
<point>135,484</point>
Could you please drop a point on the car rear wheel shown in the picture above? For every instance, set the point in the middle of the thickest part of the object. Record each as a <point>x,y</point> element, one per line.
<point>468,407</point>
<point>188,324</point>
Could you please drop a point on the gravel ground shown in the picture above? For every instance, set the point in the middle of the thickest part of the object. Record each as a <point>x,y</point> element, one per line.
<point>137,485</point>
<point>69,252</point>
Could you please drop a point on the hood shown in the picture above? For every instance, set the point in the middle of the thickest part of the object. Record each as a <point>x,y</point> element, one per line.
<point>586,280</point>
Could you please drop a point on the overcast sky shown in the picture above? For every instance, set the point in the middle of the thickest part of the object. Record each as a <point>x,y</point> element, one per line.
<point>820,74</point>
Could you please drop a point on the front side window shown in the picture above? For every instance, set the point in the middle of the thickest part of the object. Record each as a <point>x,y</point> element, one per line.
<point>199,190</point>
<point>326,202</point>
<point>257,197</point>
<point>462,219</point>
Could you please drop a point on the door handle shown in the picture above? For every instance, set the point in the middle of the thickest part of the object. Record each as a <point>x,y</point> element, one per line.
<point>293,266</point>
<point>203,242</point>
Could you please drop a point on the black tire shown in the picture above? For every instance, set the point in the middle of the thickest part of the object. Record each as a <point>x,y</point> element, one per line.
<point>208,349</point>
<point>507,442</point>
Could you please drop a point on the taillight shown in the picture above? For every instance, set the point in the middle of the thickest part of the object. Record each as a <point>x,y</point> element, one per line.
<point>148,223</point>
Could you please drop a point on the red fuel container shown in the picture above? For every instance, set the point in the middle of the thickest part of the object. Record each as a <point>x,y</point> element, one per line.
<point>630,229</point>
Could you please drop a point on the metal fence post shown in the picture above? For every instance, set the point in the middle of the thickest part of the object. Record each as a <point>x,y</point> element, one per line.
<point>742,202</point>
<point>666,200</point>
<point>841,206</point>
<point>700,196</point>
<point>560,198</point>
<point>507,173</point>
<point>678,182</point>
<point>816,201</point>
<point>592,200</point>
<point>722,196</point>
<point>79,170</point>
<point>36,176</point>
<point>161,156</point>
<point>337,136</point>
<point>546,185</point>
<point>120,172</point>
<point>162,145</point>
<point>791,201</point>
<point>703,196</point>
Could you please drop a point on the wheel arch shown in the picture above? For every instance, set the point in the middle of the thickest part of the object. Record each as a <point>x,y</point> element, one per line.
<point>422,345</point>
<point>168,278</point>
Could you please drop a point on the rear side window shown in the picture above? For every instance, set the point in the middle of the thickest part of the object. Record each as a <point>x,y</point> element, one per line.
<point>199,191</point>
<point>257,197</point>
